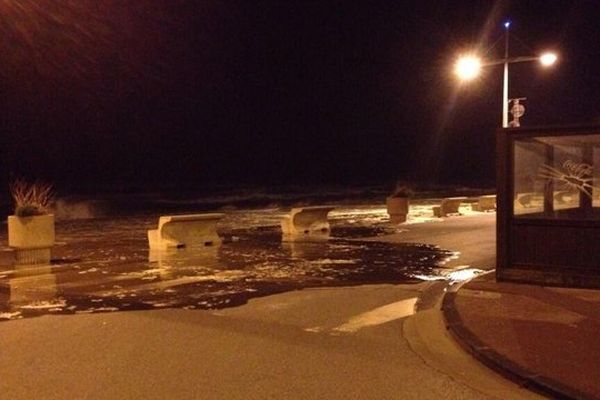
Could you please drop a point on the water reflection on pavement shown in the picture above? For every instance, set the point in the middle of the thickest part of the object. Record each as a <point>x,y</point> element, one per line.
<point>105,265</point>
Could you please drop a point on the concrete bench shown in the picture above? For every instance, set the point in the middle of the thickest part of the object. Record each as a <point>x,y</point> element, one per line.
<point>485,203</point>
<point>449,205</point>
<point>565,197</point>
<point>306,221</point>
<point>529,199</point>
<point>185,231</point>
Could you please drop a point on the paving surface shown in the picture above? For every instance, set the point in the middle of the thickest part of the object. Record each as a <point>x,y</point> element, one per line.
<point>545,337</point>
<point>335,343</point>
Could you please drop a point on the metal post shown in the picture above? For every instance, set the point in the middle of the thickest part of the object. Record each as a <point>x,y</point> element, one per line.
<point>505,89</point>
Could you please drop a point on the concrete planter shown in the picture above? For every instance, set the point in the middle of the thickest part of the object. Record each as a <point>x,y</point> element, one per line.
<point>32,238</point>
<point>397,208</point>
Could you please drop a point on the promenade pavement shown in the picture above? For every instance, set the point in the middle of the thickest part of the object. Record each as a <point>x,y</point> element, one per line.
<point>545,338</point>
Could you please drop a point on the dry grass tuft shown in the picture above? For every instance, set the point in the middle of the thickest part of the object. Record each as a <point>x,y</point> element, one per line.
<point>30,198</point>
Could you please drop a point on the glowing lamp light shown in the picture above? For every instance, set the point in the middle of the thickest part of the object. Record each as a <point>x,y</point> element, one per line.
<point>548,59</point>
<point>468,67</point>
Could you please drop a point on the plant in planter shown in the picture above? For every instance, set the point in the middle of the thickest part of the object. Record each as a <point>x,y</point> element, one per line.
<point>398,202</point>
<point>31,228</point>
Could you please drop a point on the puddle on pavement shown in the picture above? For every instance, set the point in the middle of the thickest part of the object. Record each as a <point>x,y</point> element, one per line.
<point>105,265</point>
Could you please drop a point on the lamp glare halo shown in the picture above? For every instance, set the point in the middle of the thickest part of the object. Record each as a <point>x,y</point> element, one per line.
<point>468,67</point>
<point>548,59</point>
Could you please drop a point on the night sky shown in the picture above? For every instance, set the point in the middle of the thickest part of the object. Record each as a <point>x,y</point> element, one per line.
<point>192,93</point>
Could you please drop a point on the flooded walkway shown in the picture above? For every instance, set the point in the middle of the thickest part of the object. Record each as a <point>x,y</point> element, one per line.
<point>104,265</point>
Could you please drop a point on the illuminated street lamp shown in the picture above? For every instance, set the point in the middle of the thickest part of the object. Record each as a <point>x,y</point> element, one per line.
<point>548,59</point>
<point>469,66</point>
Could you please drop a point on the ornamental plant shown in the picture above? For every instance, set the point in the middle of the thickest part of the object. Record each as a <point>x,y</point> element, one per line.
<point>402,190</point>
<point>30,199</point>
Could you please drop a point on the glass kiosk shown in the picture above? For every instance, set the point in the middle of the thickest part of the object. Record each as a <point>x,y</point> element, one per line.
<point>548,229</point>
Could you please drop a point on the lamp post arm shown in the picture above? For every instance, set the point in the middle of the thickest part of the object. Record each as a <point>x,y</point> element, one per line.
<point>511,60</point>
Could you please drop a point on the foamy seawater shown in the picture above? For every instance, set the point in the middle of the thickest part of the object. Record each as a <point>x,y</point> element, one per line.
<point>105,264</point>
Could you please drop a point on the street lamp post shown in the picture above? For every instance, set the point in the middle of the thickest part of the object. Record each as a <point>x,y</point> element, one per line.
<point>505,85</point>
<point>468,67</point>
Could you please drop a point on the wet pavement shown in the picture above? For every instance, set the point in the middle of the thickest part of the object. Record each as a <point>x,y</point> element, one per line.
<point>298,344</point>
<point>102,265</point>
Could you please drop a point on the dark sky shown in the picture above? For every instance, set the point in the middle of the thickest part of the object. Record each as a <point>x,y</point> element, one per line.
<point>178,92</point>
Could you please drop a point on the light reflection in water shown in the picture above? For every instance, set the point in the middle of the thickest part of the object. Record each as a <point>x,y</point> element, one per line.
<point>33,287</point>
